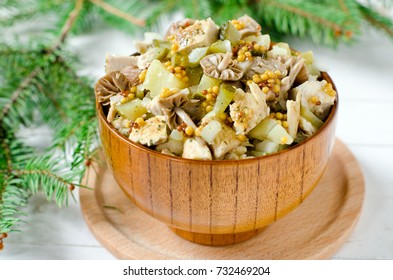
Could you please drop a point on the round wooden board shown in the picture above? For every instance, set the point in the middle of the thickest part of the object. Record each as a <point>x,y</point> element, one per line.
<point>315,230</point>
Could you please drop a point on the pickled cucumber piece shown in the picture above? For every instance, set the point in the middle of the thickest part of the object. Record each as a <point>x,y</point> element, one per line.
<point>208,82</point>
<point>174,146</point>
<point>267,147</point>
<point>159,53</point>
<point>194,75</point>
<point>221,46</point>
<point>229,32</point>
<point>210,131</point>
<point>309,61</point>
<point>262,40</point>
<point>280,49</point>
<point>131,110</point>
<point>196,55</point>
<point>219,136</point>
<point>224,98</point>
<point>145,59</point>
<point>158,77</point>
<point>309,116</point>
<point>284,46</point>
<point>162,43</point>
<point>279,135</point>
<point>262,129</point>
<point>176,135</point>
<point>179,59</point>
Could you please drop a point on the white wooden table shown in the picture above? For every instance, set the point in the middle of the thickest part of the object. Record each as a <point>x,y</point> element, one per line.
<point>363,74</point>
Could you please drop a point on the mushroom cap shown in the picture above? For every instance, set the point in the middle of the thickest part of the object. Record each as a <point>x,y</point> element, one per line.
<point>295,64</point>
<point>250,26</point>
<point>221,66</point>
<point>260,65</point>
<point>110,85</point>
<point>166,105</point>
<point>117,63</point>
<point>132,74</point>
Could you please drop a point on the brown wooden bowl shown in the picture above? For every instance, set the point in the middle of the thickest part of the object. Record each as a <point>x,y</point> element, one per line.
<point>218,202</point>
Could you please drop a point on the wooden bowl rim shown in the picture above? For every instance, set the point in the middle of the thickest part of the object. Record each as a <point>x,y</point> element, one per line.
<point>138,146</point>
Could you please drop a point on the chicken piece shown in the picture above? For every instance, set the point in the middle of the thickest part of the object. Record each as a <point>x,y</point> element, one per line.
<point>307,127</point>
<point>194,149</point>
<point>175,147</point>
<point>153,132</point>
<point>293,115</point>
<point>200,34</point>
<point>219,136</point>
<point>248,109</point>
<point>117,63</point>
<point>179,24</point>
<point>224,142</point>
<point>317,96</point>
<point>121,124</point>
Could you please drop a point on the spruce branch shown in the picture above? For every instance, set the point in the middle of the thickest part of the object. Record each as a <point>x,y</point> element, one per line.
<point>44,170</point>
<point>118,13</point>
<point>67,26</point>
<point>15,95</point>
<point>377,20</point>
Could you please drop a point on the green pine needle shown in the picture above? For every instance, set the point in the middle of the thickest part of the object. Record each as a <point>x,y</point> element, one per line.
<point>377,20</point>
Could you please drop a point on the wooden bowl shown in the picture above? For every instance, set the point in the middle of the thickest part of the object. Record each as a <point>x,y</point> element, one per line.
<point>218,202</point>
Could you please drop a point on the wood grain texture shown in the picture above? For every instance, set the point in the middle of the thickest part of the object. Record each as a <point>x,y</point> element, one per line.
<point>220,196</point>
<point>315,230</point>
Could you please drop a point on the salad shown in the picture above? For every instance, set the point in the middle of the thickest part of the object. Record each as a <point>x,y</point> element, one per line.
<point>207,92</point>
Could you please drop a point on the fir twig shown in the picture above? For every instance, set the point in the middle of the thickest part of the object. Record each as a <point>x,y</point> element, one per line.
<point>67,25</point>
<point>15,95</point>
<point>118,13</point>
<point>377,20</point>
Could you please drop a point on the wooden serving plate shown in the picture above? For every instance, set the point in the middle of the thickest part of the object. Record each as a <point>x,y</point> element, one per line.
<point>314,230</point>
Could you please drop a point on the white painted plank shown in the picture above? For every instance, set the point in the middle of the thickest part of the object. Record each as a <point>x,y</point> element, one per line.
<point>53,233</point>
<point>54,252</point>
<point>372,238</point>
<point>365,123</point>
<point>50,225</point>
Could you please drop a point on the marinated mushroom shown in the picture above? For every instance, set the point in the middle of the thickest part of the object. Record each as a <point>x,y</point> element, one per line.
<point>221,66</point>
<point>117,63</point>
<point>260,65</point>
<point>251,27</point>
<point>176,107</point>
<point>295,65</point>
<point>303,74</point>
<point>110,85</point>
<point>132,74</point>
